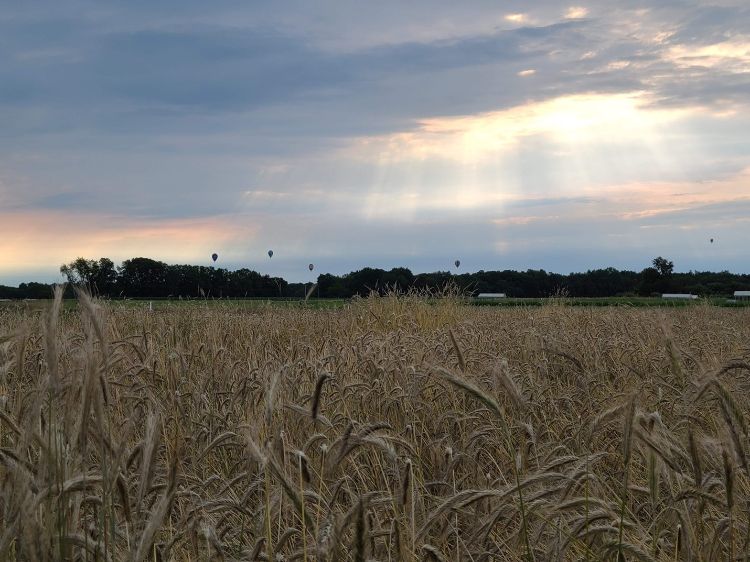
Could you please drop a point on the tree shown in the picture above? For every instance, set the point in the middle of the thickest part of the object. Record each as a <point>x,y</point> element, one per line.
<point>663,266</point>
<point>105,277</point>
<point>79,271</point>
<point>649,282</point>
<point>98,277</point>
<point>143,277</point>
<point>33,290</point>
<point>333,286</point>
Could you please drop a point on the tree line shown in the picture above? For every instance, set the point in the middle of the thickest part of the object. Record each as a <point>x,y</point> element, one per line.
<point>147,278</point>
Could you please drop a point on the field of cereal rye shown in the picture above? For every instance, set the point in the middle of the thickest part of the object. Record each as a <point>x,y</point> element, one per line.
<point>393,428</point>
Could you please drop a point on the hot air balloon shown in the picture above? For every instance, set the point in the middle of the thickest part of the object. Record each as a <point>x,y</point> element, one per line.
<point>458,263</point>
<point>214,256</point>
<point>712,240</point>
<point>311,267</point>
<point>270,253</point>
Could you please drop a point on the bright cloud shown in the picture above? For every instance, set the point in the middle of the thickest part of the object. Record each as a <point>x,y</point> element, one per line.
<point>576,12</point>
<point>732,55</point>
<point>517,18</point>
<point>577,119</point>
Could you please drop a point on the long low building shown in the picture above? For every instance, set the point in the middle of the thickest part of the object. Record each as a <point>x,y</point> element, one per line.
<point>491,296</point>
<point>679,296</point>
<point>742,294</point>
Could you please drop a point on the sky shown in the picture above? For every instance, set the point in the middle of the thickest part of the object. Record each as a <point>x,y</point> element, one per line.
<point>509,135</point>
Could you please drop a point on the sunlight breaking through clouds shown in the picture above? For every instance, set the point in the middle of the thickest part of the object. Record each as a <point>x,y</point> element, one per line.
<point>569,120</point>
<point>623,153</point>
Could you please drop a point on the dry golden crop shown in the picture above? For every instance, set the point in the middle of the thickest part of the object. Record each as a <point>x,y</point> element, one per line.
<point>395,428</point>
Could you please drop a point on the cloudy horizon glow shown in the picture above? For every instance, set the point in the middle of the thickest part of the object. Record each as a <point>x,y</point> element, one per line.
<point>556,136</point>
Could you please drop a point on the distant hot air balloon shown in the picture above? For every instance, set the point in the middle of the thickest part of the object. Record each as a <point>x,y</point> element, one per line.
<point>712,240</point>
<point>270,253</point>
<point>311,267</point>
<point>214,256</point>
<point>458,263</point>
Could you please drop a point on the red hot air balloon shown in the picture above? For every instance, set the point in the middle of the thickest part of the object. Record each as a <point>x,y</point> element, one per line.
<point>214,257</point>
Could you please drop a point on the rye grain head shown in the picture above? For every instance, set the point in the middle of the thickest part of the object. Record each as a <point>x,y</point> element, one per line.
<point>273,385</point>
<point>315,404</point>
<point>628,420</point>
<point>149,452</point>
<point>728,478</point>
<point>50,337</point>
<point>432,553</point>
<point>457,349</point>
<point>269,463</point>
<point>360,531</point>
<point>405,483</point>
<point>502,375</point>
<point>157,517</point>
<point>471,389</point>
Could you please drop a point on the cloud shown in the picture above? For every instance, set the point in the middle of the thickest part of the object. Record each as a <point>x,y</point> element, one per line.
<point>568,119</point>
<point>372,133</point>
<point>517,18</point>
<point>576,12</point>
<point>732,56</point>
<point>704,206</point>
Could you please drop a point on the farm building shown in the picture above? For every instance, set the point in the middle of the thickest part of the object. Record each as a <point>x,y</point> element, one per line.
<point>679,296</point>
<point>742,295</point>
<point>491,295</point>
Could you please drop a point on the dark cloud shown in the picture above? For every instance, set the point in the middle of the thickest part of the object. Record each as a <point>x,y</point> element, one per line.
<point>156,70</point>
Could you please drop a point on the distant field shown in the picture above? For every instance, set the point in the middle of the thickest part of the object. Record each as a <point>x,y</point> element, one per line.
<point>612,301</point>
<point>383,429</point>
<point>314,303</point>
<point>173,304</point>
